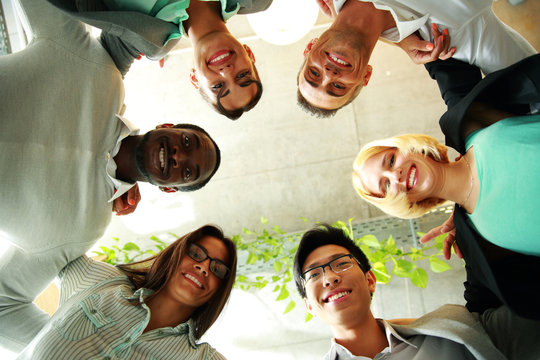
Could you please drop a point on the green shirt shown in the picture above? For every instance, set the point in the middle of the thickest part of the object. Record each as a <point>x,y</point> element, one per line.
<point>506,155</point>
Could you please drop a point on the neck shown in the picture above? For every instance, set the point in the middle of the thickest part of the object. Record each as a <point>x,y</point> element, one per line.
<point>366,338</point>
<point>164,312</point>
<point>126,167</point>
<point>210,11</point>
<point>460,183</point>
<point>363,19</point>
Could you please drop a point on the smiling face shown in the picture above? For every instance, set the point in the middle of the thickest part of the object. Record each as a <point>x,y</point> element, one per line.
<point>338,298</point>
<point>333,70</point>
<point>225,70</point>
<point>172,156</point>
<point>194,284</point>
<point>388,171</point>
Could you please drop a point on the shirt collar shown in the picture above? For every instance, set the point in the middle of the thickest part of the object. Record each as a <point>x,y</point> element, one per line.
<point>338,351</point>
<point>127,129</point>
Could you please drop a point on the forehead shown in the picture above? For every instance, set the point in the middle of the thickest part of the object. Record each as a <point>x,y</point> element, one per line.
<point>215,248</point>
<point>323,254</point>
<point>371,171</point>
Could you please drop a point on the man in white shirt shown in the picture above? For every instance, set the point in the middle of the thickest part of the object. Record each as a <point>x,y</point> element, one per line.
<point>336,66</point>
<point>333,276</point>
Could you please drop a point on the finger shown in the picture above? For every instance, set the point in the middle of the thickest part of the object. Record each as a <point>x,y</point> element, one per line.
<point>457,251</point>
<point>431,234</point>
<point>447,249</point>
<point>448,54</point>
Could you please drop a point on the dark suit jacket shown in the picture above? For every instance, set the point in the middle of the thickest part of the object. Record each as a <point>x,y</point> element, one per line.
<point>495,275</point>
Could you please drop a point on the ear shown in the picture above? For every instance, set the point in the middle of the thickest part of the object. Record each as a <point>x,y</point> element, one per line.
<point>310,45</point>
<point>309,308</point>
<point>193,79</point>
<point>372,281</point>
<point>249,52</point>
<point>164,126</point>
<point>367,75</point>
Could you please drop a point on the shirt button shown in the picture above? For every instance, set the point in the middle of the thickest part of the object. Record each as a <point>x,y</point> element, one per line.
<point>93,311</point>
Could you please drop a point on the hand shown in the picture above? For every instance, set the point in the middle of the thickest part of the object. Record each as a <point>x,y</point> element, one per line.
<point>127,203</point>
<point>422,52</point>
<point>449,242</point>
<point>327,7</point>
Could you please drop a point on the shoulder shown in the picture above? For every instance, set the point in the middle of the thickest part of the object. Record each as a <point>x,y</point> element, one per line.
<point>92,270</point>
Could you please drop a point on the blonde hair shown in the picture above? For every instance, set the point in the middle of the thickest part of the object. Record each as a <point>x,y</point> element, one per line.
<point>398,204</point>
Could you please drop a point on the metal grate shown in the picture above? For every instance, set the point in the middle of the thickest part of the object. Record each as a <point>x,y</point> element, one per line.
<point>5,46</point>
<point>403,232</point>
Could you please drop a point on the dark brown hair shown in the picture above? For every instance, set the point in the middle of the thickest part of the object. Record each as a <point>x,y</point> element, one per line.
<point>155,272</point>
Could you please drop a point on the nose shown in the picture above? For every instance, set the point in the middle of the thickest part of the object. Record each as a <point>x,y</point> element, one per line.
<point>331,71</point>
<point>330,277</point>
<point>177,155</point>
<point>202,268</point>
<point>396,175</point>
<point>226,68</point>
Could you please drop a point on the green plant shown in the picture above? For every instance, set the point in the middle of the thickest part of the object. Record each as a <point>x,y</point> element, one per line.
<point>129,252</point>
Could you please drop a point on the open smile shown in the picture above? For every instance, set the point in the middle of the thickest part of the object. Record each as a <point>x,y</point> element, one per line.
<point>194,280</point>
<point>412,177</point>
<point>220,57</point>
<point>337,60</point>
<point>337,296</point>
<point>163,156</point>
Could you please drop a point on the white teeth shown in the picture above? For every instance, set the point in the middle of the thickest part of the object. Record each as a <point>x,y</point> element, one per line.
<point>411,178</point>
<point>162,158</point>
<point>338,295</point>
<point>339,61</point>
<point>194,279</point>
<point>220,57</point>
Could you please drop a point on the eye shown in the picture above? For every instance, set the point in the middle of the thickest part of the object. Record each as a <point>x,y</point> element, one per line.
<point>187,142</point>
<point>195,253</point>
<point>242,74</point>
<point>314,73</point>
<point>338,86</point>
<point>187,174</point>
<point>391,161</point>
<point>216,87</point>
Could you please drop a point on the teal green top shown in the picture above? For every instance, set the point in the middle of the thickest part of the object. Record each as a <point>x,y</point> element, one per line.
<point>508,165</point>
<point>173,11</point>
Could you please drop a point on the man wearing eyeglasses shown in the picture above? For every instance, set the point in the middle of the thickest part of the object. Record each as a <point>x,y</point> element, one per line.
<point>333,276</point>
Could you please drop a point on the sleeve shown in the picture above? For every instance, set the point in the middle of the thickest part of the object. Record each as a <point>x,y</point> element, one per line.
<point>253,6</point>
<point>82,273</point>
<point>42,20</point>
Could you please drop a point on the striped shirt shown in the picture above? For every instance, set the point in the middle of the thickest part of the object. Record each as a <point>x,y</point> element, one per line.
<point>96,319</point>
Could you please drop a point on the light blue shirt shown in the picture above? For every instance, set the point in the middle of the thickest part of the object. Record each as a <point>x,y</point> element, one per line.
<point>99,318</point>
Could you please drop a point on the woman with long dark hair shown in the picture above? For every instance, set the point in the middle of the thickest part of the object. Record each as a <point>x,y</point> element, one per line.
<point>157,308</point>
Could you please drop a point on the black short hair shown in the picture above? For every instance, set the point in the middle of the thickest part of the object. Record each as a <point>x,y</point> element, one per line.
<point>199,185</point>
<point>322,235</point>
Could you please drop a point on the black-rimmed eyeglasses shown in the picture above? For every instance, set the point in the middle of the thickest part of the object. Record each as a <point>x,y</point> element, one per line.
<point>217,267</point>
<point>337,265</point>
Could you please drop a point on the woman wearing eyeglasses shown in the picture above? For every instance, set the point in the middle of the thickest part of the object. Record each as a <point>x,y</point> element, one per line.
<point>157,308</point>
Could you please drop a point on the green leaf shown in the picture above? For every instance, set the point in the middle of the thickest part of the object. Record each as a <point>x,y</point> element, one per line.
<point>379,269</point>
<point>276,288</point>
<point>246,231</point>
<point>308,317</point>
<point>419,277</point>
<point>264,220</point>
<point>252,259</point>
<point>304,219</point>
<point>277,266</point>
<point>289,307</point>
<point>283,294</point>
<point>371,241</point>
<point>241,278</point>
<point>403,268</point>
<point>277,229</point>
<point>437,265</point>
<point>131,247</point>
<point>390,245</point>
<point>276,278</point>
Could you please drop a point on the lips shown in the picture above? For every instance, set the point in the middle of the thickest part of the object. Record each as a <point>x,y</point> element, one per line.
<point>220,57</point>
<point>337,60</point>
<point>194,280</point>
<point>412,177</point>
<point>337,295</point>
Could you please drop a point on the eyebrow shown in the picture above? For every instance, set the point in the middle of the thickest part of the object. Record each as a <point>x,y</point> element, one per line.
<point>334,94</point>
<point>197,140</point>
<point>313,84</point>
<point>198,173</point>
